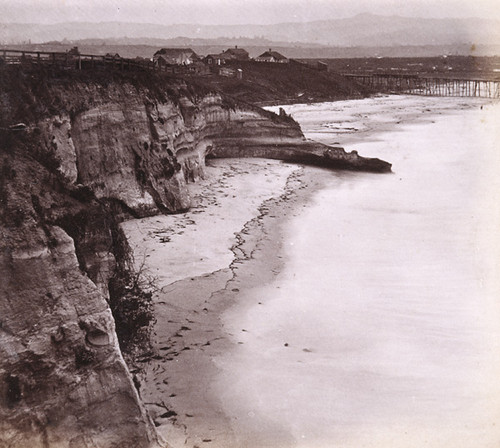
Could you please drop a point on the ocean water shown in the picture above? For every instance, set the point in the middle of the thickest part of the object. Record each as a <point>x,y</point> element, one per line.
<point>383,329</point>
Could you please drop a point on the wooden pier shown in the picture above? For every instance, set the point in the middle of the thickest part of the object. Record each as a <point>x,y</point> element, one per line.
<point>428,86</point>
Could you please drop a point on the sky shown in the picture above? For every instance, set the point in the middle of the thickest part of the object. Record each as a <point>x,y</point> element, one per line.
<point>226,12</point>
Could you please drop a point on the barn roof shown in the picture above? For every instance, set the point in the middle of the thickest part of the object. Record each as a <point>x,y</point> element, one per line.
<point>173,52</point>
<point>237,51</point>
<point>273,54</point>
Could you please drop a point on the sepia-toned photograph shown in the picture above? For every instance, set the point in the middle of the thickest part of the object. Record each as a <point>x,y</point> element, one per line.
<point>249,224</point>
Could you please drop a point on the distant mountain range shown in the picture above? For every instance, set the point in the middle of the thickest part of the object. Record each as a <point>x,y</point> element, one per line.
<point>364,30</point>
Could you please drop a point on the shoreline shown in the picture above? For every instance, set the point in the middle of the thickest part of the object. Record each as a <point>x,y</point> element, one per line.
<point>292,101</point>
<point>177,381</point>
<point>189,334</point>
<point>352,127</point>
<point>340,347</point>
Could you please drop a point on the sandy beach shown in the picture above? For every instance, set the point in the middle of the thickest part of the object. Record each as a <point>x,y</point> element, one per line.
<point>236,220</point>
<point>205,261</point>
<point>350,122</point>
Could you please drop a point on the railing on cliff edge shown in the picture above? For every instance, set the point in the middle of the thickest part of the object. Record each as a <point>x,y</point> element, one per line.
<point>68,60</point>
<point>428,86</point>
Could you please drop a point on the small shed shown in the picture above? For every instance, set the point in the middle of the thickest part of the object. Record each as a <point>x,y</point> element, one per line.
<point>227,72</point>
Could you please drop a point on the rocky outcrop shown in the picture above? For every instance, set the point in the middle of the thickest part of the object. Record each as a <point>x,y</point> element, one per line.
<point>306,153</point>
<point>139,143</point>
<point>63,380</point>
<point>249,134</point>
<point>94,148</point>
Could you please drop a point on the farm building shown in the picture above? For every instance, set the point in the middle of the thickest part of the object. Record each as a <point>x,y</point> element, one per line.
<point>215,59</point>
<point>272,56</point>
<point>236,54</point>
<point>175,56</point>
<point>231,54</point>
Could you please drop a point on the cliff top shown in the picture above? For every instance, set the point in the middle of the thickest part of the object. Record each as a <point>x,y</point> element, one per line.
<point>268,83</point>
<point>31,92</point>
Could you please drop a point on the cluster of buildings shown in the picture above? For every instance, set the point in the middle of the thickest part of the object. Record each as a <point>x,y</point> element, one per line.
<point>168,57</point>
<point>169,60</point>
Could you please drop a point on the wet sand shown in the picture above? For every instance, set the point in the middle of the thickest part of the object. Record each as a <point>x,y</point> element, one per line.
<point>382,328</point>
<point>204,261</point>
<point>240,207</point>
<point>356,121</point>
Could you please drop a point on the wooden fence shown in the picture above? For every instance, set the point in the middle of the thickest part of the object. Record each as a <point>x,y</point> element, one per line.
<point>77,61</point>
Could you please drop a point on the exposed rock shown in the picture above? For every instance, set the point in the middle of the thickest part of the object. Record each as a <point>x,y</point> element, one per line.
<point>63,380</point>
<point>93,149</point>
<point>306,152</point>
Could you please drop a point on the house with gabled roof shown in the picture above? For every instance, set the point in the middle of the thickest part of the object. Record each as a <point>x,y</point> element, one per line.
<point>236,54</point>
<point>111,56</point>
<point>272,56</point>
<point>215,59</point>
<point>231,54</point>
<point>175,56</point>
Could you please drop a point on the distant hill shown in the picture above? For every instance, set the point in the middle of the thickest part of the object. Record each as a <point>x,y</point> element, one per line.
<point>364,30</point>
<point>180,41</point>
<point>126,49</point>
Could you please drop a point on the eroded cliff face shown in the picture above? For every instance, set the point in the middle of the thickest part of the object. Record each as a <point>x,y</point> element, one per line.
<point>141,150</point>
<point>63,380</point>
<point>95,148</point>
<point>91,152</point>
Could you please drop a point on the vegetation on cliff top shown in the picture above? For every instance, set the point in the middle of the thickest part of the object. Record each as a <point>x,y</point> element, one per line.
<point>34,92</point>
<point>31,93</point>
<point>268,83</point>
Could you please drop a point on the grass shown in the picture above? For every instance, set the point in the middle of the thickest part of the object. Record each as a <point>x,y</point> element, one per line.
<point>265,83</point>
